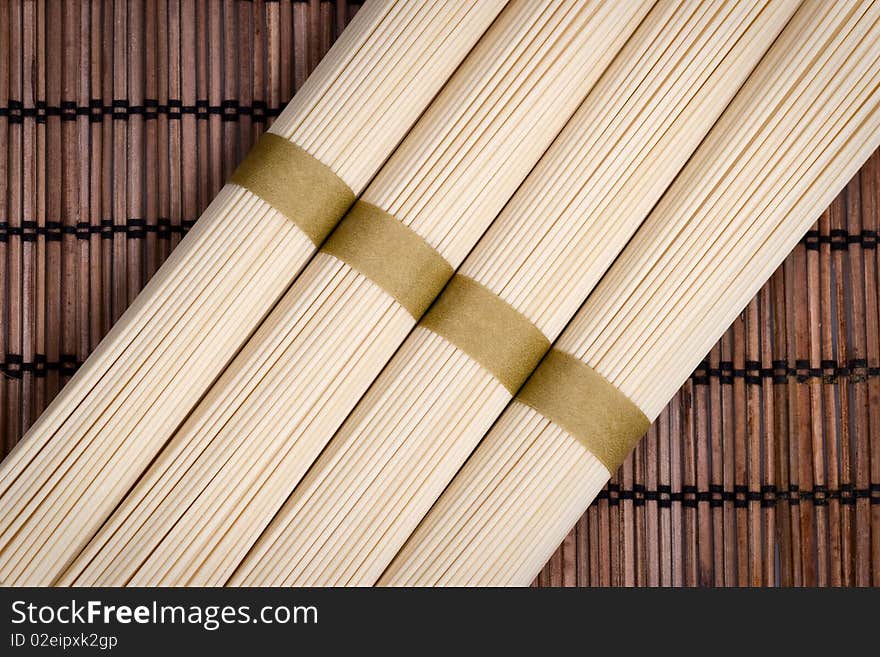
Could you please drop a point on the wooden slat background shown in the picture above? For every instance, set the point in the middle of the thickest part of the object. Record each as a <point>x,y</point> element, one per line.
<point>119,121</point>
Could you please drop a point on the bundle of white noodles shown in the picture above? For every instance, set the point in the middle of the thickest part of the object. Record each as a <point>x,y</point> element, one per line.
<point>210,494</point>
<point>112,419</point>
<point>427,411</point>
<point>795,133</point>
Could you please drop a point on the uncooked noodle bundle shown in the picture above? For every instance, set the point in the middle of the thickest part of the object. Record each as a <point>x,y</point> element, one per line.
<point>520,286</point>
<point>87,449</point>
<point>209,495</point>
<point>798,130</point>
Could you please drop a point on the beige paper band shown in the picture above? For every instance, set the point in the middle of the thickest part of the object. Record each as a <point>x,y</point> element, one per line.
<point>299,186</point>
<point>572,394</point>
<point>489,330</point>
<point>390,254</point>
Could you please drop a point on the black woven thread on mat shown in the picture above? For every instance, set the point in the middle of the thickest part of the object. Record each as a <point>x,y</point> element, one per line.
<point>121,110</point>
<point>829,371</point>
<point>740,496</point>
<point>134,228</point>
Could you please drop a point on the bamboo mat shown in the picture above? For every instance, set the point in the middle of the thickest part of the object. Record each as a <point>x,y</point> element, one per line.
<point>116,131</point>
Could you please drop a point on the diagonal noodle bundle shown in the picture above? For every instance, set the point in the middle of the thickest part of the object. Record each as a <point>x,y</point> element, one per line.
<point>455,374</point>
<point>797,131</point>
<point>207,498</point>
<point>99,434</point>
